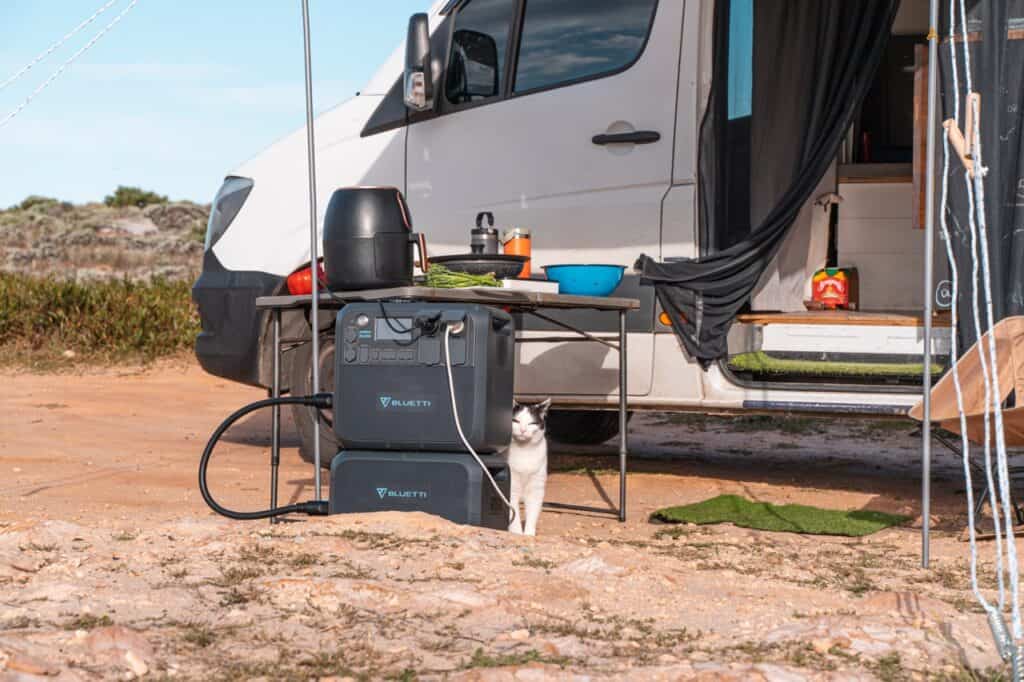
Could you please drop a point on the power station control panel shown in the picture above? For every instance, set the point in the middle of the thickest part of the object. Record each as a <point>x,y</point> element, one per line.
<point>379,339</point>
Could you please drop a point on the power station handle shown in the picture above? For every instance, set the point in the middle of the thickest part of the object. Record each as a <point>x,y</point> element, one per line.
<point>638,137</point>
<point>420,240</point>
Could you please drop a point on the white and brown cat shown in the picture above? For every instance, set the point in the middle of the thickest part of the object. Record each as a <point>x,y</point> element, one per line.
<point>528,462</point>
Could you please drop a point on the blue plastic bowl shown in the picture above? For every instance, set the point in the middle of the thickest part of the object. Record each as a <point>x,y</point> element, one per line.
<point>586,280</point>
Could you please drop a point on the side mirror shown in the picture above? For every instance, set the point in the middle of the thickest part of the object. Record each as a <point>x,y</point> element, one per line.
<point>419,81</point>
<point>473,73</point>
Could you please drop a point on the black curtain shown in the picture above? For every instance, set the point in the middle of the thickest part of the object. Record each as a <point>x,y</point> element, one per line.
<point>813,63</point>
<point>997,69</point>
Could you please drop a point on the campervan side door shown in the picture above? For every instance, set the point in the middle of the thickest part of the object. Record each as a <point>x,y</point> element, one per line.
<point>557,116</point>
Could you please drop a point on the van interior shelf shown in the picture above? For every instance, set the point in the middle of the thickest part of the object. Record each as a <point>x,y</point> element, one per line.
<point>845,317</point>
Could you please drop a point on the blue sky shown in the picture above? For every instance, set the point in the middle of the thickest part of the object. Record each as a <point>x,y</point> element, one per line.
<point>178,93</point>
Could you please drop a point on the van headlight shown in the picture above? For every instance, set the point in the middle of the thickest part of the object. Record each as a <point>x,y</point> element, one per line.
<point>226,205</point>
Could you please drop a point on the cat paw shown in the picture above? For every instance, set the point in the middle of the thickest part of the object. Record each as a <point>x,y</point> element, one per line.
<point>515,528</point>
<point>530,531</point>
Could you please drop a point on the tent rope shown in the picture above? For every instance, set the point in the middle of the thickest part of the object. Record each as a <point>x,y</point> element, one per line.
<point>56,74</point>
<point>1010,649</point>
<point>50,50</point>
<point>965,443</point>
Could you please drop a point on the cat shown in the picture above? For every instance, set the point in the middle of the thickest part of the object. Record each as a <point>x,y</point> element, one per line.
<point>528,462</point>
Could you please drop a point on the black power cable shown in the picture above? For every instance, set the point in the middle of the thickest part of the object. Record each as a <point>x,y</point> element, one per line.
<point>312,508</point>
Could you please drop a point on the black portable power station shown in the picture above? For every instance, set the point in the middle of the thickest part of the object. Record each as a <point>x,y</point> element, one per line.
<point>449,485</point>
<point>391,384</point>
<point>393,410</point>
<point>400,367</point>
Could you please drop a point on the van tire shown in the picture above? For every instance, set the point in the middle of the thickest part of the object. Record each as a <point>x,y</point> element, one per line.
<point>582,427</point>
<point>301,381</point>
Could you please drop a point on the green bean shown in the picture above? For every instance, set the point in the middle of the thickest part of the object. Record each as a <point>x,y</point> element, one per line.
<point>440,277</point>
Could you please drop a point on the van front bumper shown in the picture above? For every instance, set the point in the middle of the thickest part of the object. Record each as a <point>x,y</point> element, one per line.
<point>229,344</point>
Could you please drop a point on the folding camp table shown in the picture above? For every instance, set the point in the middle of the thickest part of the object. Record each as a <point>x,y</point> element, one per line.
<point>522,302</point>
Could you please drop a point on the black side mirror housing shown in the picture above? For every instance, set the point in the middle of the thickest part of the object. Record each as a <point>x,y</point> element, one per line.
<point>419,81</point>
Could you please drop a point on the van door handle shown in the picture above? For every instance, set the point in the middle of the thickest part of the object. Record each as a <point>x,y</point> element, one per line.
<point>637,137</point>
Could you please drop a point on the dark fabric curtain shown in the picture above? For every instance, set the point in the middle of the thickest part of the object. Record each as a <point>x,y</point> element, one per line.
<point>997,68</point>
<point>813,63</point>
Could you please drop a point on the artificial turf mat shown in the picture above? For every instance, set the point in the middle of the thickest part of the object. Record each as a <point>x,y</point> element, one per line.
<point>789,518</point>
<point>761,363</point>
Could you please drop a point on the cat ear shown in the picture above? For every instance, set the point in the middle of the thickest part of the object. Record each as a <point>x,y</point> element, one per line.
<point>516,406</point>
<point>542,408</point>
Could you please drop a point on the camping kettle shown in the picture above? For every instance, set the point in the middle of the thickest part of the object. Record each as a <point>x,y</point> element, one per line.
<point>484,239</point>
<point>368,240</point>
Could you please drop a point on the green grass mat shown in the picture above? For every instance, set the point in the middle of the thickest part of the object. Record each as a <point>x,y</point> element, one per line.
<point>790,518</point>
<point>762,363</point>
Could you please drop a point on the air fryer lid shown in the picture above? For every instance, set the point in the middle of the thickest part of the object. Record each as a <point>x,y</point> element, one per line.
<point>365,212</point>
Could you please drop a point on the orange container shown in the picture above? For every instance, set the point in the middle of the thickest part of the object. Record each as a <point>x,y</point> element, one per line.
<point>836,288</point>
<point>517,243</point>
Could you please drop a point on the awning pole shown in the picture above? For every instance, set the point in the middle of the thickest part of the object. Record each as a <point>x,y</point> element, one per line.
<point>929,257</point>
<point>313,257</point>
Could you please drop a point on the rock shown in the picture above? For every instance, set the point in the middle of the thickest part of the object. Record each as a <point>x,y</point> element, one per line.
<point>593,566</point>
<point>121,639</point>
<point>18,662</point>
<point>137,665</point>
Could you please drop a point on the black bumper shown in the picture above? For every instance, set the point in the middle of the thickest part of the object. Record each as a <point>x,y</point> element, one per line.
<point>229,344</point>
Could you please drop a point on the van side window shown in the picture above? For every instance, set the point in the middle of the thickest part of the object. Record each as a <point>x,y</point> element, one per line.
<point>569,40</point>
<point>476,67</point>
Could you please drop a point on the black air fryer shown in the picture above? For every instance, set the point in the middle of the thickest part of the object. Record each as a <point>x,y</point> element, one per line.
<point>368,240</point>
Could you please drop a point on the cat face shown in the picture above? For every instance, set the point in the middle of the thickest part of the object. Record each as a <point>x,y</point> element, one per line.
<point>529,422</point>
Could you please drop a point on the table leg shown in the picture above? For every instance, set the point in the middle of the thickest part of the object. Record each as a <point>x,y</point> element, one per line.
<point>275,419</point>
<point>623,415</point>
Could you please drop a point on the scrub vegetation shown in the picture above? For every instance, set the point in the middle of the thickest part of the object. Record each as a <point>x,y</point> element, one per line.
<point>47,321</point>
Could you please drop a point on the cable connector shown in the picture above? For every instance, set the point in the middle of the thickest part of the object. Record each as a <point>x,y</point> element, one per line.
<point>323,401</point>
<point>313,508</point>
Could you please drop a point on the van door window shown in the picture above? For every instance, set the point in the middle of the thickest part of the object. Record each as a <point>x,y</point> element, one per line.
<point>476,67</point>
<point>565,41</point>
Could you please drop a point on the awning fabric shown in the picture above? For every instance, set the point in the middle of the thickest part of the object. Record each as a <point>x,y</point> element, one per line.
<point>811,64</point>
<point>996,40</point>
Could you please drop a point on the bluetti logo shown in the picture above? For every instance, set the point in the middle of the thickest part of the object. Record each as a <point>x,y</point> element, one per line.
<point>388,493</point>
<point>388,402</point>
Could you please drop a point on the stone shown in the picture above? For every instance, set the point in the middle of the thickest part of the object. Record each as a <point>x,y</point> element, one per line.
<point>19,662</point>
<point>119,639</point>
<point>138,666</point>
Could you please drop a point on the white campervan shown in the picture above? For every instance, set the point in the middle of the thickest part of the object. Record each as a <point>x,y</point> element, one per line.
<point>579,119</point>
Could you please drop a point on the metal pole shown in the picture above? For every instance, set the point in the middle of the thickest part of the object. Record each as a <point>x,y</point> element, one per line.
<point>275,418</point>
<point>623,415</point>
<point>313,259</point>
<point>929,258</point>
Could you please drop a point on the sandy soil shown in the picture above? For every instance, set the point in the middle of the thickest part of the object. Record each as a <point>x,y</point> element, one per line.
<point>111,565</point>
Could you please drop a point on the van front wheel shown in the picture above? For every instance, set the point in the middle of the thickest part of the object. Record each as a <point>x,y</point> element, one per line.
<point>582,427</point>
<point>301,381</point>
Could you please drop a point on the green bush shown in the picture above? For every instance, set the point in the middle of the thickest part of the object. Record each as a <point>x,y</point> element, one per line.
<point>36,200</point>
<point>133,196</point>
<point>107,321</point>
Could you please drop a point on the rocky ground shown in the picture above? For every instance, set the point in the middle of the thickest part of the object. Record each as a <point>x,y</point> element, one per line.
<point>112,568</point>
<point>97,241</point>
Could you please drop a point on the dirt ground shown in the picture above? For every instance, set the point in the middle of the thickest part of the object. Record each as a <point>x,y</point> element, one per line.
<point>112,567</point>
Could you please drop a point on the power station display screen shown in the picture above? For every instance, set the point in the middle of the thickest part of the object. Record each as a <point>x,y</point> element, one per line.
<point>393,329</point>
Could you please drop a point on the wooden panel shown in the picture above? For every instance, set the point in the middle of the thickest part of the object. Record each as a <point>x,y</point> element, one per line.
<point>844,317</point>
<point>920,132</point>
<point>874,200</point>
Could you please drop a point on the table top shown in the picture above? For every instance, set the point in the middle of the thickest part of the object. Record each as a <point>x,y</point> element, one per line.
<point>483,295</point>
